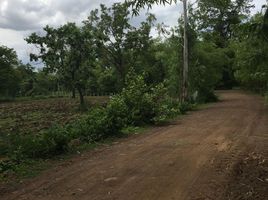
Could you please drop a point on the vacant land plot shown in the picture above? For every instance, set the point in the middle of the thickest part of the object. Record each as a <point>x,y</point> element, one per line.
<point>24,117</point>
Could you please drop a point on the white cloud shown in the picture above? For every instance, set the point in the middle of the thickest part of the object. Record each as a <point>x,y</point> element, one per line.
<point>258,5</point>
<point>15,39</point>
<point>18,18</point>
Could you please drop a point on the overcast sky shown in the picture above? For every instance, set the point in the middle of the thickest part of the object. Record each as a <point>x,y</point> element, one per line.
<point>19,18</point>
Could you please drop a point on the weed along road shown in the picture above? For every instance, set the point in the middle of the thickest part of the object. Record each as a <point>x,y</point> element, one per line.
<point>206,154</point>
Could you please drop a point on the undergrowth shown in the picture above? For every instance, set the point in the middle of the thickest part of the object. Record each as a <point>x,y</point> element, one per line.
<point>138,105</point>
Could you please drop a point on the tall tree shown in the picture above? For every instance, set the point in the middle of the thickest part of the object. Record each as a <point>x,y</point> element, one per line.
<point>217,22</point>
<point>138,4</point>
<point>69,51</point>
<point>9,79</point>
<point>120,44</point>
<point>185,82</point>
<point>111,26</point>
<point>252,54</point>
<point>217,18</point>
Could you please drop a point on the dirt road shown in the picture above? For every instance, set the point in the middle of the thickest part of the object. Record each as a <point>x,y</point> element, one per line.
<point>202,156</point>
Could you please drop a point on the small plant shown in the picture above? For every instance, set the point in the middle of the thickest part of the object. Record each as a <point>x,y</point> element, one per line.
<point>95,126</point>
<point>168,109</point>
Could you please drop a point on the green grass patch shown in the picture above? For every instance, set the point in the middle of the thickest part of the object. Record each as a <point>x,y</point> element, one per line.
<point>27,168</point>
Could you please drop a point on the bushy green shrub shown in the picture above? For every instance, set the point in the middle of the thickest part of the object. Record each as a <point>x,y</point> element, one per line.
<point>100,123</point>
<point>142,104</point>
<point>186,106</point>
<point>51,142</point>
<point>95,126</point>
<point>206,96</point>
<point>138,99</point>
<point>117,113</point>
<point>55,140</point>
<point>6,165</point>
<point>166,110</point>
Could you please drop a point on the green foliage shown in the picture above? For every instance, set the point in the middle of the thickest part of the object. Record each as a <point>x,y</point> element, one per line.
<point>8,76</point>
<point>252,56</point>
<point>206,71</point>
<point>26,169</point>
<point>139,4</point>
<point>96,126</point>
<point>168,109</point>
<point>221,17</point>
<point>145,104</point>
<point>117,113</point>
<point>19,80</point>
<point>120,45</point>
<point>51,142</point>
<point>137,99</point>
<point>69,51</point>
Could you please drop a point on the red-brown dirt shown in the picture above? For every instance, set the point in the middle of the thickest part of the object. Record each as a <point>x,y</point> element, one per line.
<point>219,152</point>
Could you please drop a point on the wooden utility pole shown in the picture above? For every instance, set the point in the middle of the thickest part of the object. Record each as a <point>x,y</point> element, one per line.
<point>185,54</point>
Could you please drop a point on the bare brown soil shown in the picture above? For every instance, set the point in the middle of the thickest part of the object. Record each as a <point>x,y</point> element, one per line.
<point>31,116</point>
<point>219,152</point>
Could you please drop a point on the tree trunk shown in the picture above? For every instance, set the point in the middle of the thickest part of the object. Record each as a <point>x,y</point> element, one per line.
<point>73,93</point>
<point>73,86</point>
<point>185,55</point>
<point>81,96</point>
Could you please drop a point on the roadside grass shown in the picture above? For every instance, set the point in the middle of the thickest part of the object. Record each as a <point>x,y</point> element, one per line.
<point>26,169</point>
<point>29,168</point>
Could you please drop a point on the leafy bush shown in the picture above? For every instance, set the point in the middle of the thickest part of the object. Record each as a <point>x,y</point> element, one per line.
<point>55,140</point>
<point>95,126</point>
<point>51,142</point>
<point>117,113</point>
<point>186,106</point>
<point>141,104</point>
<point>206,96</point>
<point>138,100</point>
<point>167,109</point>
<point>6,165</point>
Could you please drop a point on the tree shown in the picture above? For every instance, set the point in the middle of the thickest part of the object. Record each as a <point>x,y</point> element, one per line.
<point>68,51</point>
<point>251,54</point>
<point>138,4</point>
<point>27,78</point>
<point>111,26</point>
<point>217,19</point>
<point>121,45</point>
<point>9,79</point>
<point>185,82</point>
